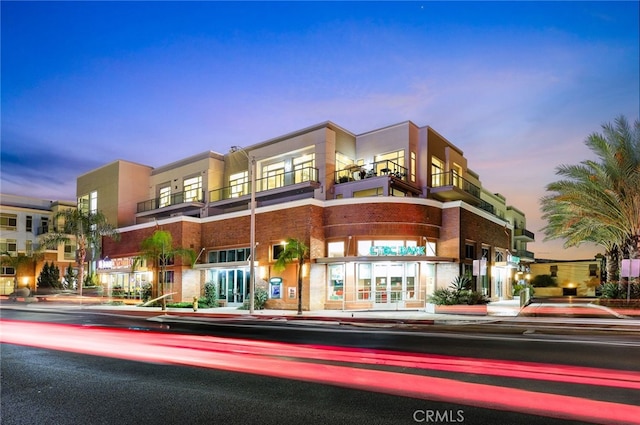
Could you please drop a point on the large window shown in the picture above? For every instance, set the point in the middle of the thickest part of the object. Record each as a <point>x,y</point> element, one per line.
<point>88,203</point>
<point>9,245</point>
<point>336,282</point>
<point>389,161</point>
<point>229,255</point>
<point>29,223</point>
<point>303,168</point>
<point>437,170</point>
<point>272,176</point>
<point>363,283</point>
<point>413,166</point>
<point>193,189</point>
<point>335,249</point>
<point>165,197</point>
<point>8,221</point>
<point>239,183</point>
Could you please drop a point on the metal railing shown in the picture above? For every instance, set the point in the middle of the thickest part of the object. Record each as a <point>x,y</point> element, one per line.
<point>289,178</point>
<point>524,232</point>
<point>173,199</point>
<point>453,179</point>
<point>380,168</point>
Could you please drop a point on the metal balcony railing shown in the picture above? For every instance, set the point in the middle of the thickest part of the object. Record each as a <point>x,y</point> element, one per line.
<point>524,253</point>
<point>174,199</point>
<point>453,179</point>
<point>380,168</point>
<point>279,180</point>
<point>524,232</point>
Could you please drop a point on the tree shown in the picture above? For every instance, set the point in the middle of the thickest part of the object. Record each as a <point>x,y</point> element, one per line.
<point>598,200</point>
<point>294,251</point>
<point>49,277</point>
<point>86,228</point>
<point>69,277</point>
<point>159,250</point>
<point>16,262</point>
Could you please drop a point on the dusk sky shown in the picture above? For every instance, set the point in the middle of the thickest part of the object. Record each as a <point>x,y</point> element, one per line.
<point>518,86</point>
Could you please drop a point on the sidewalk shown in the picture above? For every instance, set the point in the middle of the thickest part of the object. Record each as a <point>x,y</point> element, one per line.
<point>496,311</point>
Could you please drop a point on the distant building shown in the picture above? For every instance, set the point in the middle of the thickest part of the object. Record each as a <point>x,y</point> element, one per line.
<point>389,216</point>
<point>573,278</point>
<point>22,221</point>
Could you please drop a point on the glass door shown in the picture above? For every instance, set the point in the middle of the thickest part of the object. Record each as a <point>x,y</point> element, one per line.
<point>389,284</point>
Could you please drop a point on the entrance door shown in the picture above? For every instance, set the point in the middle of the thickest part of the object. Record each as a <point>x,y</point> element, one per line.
<point>389,285</point>
<point>232,285</point>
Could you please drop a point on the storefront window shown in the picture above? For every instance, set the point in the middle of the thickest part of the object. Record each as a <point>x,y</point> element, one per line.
<point>411,271</point>
<point>335,249</point>
<point>336,282</point>
<point>363,287</point>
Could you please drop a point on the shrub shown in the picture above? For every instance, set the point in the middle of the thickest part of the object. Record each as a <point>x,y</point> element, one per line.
<point>615,290</point>
<point>443,296</point>
<point>117,292</point>
<point>145,293</point>
<point>260,298</point>
<point>543,281</point>
<point>211,294</point>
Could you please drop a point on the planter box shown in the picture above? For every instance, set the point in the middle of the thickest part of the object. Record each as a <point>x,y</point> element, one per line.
<point>469,310</point>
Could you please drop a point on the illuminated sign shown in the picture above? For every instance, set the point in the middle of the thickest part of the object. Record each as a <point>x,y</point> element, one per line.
<point>398,250</point>
<point>115,263</point>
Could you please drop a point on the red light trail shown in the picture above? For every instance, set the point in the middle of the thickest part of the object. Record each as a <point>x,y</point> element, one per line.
<point>287,361</point>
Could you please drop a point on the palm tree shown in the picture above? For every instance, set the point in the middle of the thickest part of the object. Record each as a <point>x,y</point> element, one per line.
<point>599,200</point>
<point>16,262</point>
<point>86,228</point>
<point>159,250</point>
<point>294,251</point>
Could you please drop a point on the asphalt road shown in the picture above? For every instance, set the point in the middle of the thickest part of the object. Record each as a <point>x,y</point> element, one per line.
<point>41,385</point>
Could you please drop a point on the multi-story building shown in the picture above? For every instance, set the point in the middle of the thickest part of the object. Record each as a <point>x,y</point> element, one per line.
<point>22,221</point>
<point>389,216</point>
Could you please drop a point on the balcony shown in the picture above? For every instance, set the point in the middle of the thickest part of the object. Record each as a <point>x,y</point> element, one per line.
<point>450,186</point>
<point>183,203</point>
<point>278,187</point>
<point>525,255</point>
<point>386,174</point>
<point>523,235</point>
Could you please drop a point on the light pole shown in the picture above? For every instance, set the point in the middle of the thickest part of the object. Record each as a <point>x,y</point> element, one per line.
<point>252,238</point>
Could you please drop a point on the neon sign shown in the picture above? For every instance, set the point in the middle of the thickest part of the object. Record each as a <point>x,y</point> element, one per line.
<point>398,250</point>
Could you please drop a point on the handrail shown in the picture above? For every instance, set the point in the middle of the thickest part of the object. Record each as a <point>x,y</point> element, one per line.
<point>379,168</point>
<point>289,178</point>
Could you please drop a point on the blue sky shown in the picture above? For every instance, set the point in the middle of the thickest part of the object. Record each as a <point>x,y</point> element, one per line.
<point>518,86</point>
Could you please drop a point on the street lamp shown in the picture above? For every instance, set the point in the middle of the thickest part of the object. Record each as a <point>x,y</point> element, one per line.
<point>252,248</point>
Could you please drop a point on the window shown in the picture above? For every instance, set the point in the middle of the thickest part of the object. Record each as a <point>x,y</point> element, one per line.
<point>470,251</point>
<point>193,189</point>
<point>9,245</point>
<point>8,221</point>
<point>276,250</point>
<point>411,271</point>
<point>413,167</point>
<point>430,249</point>
<point>335,249</point>
<point>553,270</point>
<point>28,247</point>
<point>593,270</point>
<point>229,255</point>
<point>303,168</point>
<point>44,225</point>
<point>437,170</point>
<point>363,285</point>
<point>165,197</point>
<point>93,202</point>
<point>69,251</point>
<point>335,291</point>
<point>239,183</point>
<point>29,224</point>
<point>273,176</point>
<point>457,175</point>
<point>392,162</point>
<point>8,270</point>
<point>499,257</point>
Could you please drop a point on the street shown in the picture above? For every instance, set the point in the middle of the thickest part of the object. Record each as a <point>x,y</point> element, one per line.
<point>169,370</point>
